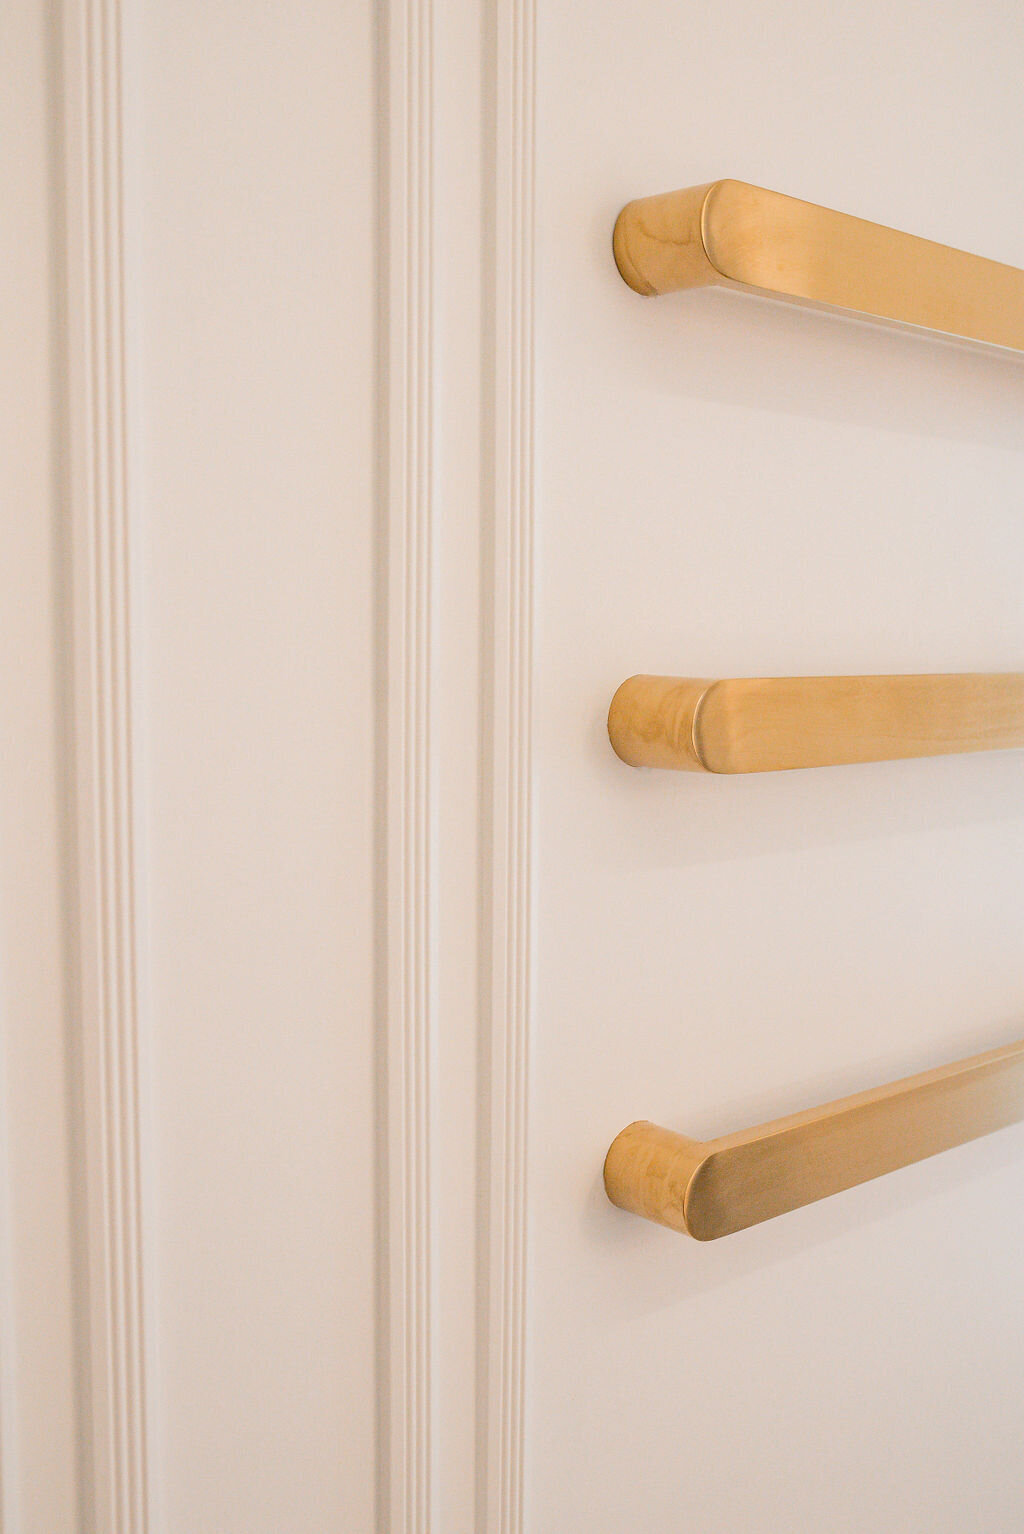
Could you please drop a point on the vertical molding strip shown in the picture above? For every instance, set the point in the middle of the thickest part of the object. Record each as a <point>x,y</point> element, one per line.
<point>106,905</point>
<point>512,595</point>
<point>411,922</point>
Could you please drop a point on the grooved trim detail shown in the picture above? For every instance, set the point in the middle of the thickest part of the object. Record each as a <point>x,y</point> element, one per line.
<point>106,927</point>
<point>409,1490</point>
<point>510,982</point>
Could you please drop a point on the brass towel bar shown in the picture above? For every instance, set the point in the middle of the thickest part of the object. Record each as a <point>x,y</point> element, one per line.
<point>767,724</point>
<point>715,1187</point>
<point>729,234</point>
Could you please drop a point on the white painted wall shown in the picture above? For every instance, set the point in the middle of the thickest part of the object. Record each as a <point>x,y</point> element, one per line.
<point>335,943</point>
<point>194,1009</point>
<point>256,217</point>
<point>727,487</point>
<point>37,1362</point>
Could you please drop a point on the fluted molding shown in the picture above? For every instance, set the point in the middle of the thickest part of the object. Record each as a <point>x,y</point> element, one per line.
<point>503,1363</point>
<point>106,906</point>
<point>410,1482</point>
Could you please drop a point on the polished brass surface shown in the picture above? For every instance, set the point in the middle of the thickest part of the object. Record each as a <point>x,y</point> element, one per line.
<point>769,724</point>
<point>715,1187</point>
<point>735,235</point>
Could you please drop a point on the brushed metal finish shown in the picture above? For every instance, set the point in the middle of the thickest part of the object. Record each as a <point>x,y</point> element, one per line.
<point>732,234</point>
<point>772,724</point>
<point>716,1187</point>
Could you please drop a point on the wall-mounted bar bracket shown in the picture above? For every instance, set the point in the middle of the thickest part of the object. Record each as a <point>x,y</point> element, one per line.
<point>768,724</point>
<point>730,234</point>
<point>715,1187</point>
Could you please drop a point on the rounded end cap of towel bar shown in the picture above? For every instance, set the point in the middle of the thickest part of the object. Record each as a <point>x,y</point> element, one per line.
<point>628,271</point>
<point>649,1171</point>
<point>653,722</point>
<point>659,242</point>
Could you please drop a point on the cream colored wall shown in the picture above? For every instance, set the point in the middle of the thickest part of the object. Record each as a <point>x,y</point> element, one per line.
<point>344,481</point>
<point>732,488</point>
<point>255,207</point>
<point>37,1363</point>
<point>189,1324</point>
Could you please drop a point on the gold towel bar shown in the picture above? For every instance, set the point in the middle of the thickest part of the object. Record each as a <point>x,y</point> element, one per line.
<point>713,1188</point>
<point>767,724</point>
<point>739,236</point>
